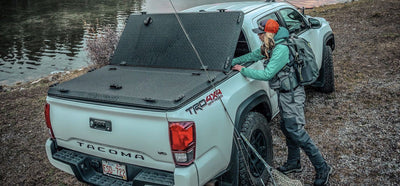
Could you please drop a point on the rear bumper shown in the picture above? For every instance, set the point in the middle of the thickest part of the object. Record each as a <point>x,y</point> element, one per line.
<point>50,148</point>
<point>88,169</point>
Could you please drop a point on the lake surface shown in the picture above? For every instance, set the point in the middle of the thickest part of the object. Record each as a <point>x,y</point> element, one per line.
<point>40,37</point>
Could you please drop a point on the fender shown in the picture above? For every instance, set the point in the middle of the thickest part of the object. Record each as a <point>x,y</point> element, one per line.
<point>259,102</point>
<point>329,39</point>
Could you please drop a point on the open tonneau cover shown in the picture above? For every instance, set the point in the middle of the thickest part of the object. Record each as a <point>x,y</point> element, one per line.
<point>155,66</point>
<point>157,40</point>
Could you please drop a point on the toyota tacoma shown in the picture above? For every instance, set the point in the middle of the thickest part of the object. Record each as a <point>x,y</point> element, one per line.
<point>166,109</point>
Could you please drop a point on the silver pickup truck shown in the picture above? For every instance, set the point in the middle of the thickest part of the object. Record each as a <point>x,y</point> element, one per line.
<point>156,115</point>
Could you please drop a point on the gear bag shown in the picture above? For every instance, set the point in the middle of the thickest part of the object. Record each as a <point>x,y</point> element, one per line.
<point>302,59</point>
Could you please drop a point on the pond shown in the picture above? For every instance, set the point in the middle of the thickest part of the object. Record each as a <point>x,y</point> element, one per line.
<point>40,37</point>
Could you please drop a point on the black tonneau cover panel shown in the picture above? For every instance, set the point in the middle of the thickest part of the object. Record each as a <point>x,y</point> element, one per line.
<point>154,88</point>
<point>157,40</point>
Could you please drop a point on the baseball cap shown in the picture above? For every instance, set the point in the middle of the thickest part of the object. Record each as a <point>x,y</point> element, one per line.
<point>269,25</point>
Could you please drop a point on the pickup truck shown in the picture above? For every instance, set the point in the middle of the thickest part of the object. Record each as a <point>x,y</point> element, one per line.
<point>167,108</point>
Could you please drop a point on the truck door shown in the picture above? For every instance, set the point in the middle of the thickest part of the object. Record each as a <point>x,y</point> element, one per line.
<point>295,23</point>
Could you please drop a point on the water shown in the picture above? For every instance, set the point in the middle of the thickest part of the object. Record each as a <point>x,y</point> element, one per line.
<point>38,37</point>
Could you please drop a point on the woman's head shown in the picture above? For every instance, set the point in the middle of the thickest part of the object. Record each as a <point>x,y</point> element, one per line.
<point>271,26</point>
<point>266,31</point>
<point>268,26</point>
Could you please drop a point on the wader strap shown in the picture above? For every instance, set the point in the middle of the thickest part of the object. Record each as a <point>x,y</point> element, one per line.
<point>291,88</point>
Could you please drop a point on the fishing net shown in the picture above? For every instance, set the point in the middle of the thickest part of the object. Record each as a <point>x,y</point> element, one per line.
<point>276,178</point>
<point>282,180</point>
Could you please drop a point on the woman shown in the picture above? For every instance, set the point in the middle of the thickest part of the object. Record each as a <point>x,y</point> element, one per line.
<point>291,97</point>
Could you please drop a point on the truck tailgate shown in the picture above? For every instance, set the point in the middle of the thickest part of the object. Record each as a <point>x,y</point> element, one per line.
<point>125,135</point>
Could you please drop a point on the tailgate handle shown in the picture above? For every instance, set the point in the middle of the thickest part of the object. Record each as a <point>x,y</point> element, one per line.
<point>100,124</point>
<point>115,86</point>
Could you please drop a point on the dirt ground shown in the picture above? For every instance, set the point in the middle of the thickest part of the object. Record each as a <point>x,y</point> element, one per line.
<point>357,128</point>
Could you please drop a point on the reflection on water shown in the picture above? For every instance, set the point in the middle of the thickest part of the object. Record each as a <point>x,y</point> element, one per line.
<point>38,37</point>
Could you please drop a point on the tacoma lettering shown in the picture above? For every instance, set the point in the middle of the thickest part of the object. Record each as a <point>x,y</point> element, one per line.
<point>109,151</point>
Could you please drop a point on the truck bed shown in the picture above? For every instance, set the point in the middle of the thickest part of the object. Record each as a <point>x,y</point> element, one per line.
<point>153,88</point>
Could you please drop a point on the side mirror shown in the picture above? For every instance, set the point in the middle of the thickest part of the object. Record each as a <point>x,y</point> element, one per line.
<point>314,22</point>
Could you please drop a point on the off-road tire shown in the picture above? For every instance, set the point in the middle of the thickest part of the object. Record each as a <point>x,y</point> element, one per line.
<point>327,72</point>
<point>256,129</point>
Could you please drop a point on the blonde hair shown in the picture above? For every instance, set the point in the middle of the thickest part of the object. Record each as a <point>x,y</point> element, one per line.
<point>269,43</point>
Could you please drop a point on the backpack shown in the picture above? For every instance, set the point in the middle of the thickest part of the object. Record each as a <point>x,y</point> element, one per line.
<point>302,59</point>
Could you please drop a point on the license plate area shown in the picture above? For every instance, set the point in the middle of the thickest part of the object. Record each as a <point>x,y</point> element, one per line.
<point>114,169</point>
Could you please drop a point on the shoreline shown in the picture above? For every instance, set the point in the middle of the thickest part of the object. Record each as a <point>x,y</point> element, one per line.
<point>48,80</point>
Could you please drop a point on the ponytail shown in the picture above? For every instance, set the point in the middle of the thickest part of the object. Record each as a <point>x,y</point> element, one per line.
<point>268,44</point>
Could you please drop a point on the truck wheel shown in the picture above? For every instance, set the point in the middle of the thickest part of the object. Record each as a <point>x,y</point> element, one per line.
<point>257,131</point>
<point>327,72</point>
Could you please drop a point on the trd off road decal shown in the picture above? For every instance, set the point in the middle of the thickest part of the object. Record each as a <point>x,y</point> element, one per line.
<point>210,99</point>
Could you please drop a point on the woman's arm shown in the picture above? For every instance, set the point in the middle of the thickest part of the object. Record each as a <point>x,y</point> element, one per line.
<point>279,58</point>
<point>252,56</point>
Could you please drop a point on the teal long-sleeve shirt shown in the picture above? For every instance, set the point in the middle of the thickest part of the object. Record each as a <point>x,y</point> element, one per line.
<point>279,58</point>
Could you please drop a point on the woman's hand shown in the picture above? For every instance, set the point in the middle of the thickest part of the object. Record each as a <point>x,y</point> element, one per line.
<point>237,67</point>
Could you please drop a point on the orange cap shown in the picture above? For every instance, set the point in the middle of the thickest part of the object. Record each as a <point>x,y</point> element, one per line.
<point>271,26</point>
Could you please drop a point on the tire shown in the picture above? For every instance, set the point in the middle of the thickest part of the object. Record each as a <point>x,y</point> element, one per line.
<point>327,72</point>
<point>256,129</point>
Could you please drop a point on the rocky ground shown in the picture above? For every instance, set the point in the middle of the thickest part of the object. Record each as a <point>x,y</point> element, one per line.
<point>357,128</point>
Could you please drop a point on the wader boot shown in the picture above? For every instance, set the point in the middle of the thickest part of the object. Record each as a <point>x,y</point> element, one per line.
<point>322,177</point>
<point>290,166</point>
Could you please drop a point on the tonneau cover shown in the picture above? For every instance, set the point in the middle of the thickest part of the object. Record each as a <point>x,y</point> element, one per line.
<point>155,66</point>
<point>162,42</point>
<point>152,88</point>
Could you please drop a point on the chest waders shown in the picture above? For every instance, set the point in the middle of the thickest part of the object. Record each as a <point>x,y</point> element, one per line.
<point>292,125</point>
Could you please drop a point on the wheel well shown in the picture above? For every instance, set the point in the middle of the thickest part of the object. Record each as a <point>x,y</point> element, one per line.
<point>330,41</point>
<point>263,108</point>
<point>258,102</point>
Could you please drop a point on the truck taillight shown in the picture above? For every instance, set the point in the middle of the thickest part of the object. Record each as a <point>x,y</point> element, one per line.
<point>182,137</point>
<point>48,123</point>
